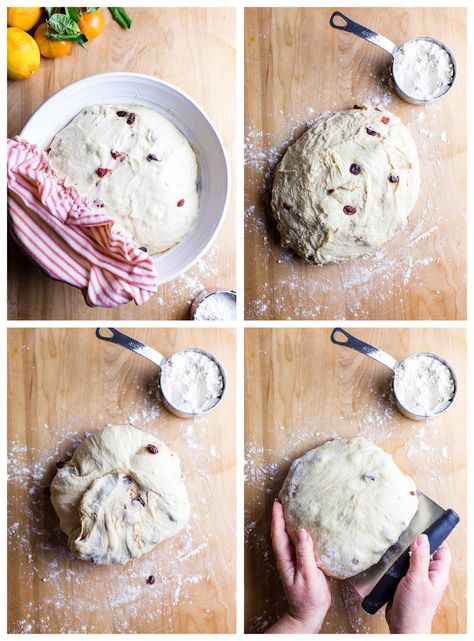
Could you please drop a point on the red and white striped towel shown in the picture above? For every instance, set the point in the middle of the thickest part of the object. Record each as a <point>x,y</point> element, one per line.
<point>69,238</point>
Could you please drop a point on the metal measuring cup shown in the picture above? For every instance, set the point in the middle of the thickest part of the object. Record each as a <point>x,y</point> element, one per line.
<point>390,362</point>
<point>118,338</point>
<point>201,297</point>
<point>384,43</point>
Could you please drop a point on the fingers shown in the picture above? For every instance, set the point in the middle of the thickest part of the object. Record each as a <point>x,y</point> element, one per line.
<point>281,541</point>
<point>443,554</point>
<point>305,563</point>
<point>439,566</point>
<point>420,558</point>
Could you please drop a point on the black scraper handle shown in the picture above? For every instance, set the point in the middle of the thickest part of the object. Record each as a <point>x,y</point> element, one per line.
<point>384,591</point>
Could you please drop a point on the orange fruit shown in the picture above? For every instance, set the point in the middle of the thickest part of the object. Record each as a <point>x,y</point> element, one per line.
<point>91,24</point>
<point>23,56</point>
<point>23,17</point>
<point>51,48</point>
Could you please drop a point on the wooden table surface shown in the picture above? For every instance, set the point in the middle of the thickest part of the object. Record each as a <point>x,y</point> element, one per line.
<point>296,67</point>
<point>64,383</point>
<point>193,49</point>
<point>302,390</point>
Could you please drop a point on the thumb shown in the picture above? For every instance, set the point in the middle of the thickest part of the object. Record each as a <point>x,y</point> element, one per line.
<point>420,558</point>
<point>305,563</point>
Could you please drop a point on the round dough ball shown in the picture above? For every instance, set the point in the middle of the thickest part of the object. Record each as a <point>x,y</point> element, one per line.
<point>346,186</point>
<point>118,497</point>
<point>352,499</point>
<point>149,187</point>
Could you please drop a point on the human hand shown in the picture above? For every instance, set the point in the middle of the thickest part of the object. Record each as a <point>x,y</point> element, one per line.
<point>419,593</point>
<point>306,588</point>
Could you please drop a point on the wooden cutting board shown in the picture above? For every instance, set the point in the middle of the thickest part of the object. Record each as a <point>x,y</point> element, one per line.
<point>296,67</point>
<point>192,48</point>
<point>64,383</point>
<point>302,390</point>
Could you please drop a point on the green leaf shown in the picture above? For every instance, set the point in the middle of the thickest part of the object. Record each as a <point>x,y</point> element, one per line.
<point>120,15</point>
<point>63,25</point>
<point>79,39</point>
<point>49,11</point>
<point>72,13</point>
<point>91,9</point>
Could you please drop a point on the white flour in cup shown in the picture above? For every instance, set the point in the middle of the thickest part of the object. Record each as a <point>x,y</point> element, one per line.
<point>424,385</point>
<point>219,306</point>
<point>191,381</point>
<point>423,69</point>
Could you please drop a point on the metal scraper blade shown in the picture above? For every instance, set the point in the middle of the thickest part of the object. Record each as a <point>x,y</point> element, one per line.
<point>428,512</point>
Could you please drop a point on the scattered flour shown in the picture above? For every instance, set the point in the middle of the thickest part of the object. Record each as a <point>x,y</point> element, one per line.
<point>267,463</point>
<point>205,274</point>
<point>118,599</point>
<point>295,290</point>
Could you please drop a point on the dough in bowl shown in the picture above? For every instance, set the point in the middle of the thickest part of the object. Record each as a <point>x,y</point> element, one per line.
<point>346,186</point>
<point>352,499</point>
<point>136,164</point>
<point>120,494</point>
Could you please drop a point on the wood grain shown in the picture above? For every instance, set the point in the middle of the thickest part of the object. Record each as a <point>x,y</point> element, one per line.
<point>296,67</point>
<point>301,390</point>
<point>192,48</point>
<point>64,383</point>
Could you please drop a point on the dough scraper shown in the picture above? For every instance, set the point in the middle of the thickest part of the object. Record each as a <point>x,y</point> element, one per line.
<point>377,584</point>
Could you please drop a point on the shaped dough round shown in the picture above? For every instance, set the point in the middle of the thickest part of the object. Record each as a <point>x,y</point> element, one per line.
<point>117,498</point>
<point>346,186</point>
<point>150,184</point>
<point>352,499</point>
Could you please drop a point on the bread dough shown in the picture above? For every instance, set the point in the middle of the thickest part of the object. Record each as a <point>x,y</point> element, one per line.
<point>150,188</point>
<point>346,186</point>
<point>352,499</point>
<point>117,498</point>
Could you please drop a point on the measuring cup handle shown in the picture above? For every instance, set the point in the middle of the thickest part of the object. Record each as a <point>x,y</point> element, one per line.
<point>363,32</point>
<point>364,348</point>
<point>118,338</point>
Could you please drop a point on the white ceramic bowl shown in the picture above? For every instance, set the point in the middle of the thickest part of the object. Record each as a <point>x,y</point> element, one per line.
<point>138,89</point>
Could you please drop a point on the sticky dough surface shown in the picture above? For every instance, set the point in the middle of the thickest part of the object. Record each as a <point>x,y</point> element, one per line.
<point>352,499</point>
<point>142,195</point>
<point>115,499</point>
<point>314,184</point>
